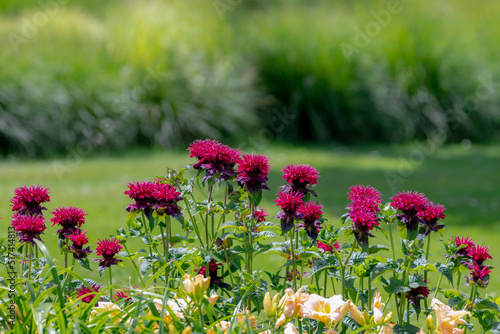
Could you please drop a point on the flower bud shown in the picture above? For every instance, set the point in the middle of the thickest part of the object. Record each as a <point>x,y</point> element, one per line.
<point>195,288</point>
<point>357,315</point>
<point>429,322</point>
<point>271,305</point>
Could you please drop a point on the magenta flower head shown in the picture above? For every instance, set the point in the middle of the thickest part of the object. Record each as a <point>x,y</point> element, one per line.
<point>464,251</point>
<point>300,177</point>
<point>363,209</point>
<point>69,218</point>
<point>108,249</point>
<point>84,290</point>
<point>410,203</point>
<point>216,159</point>
<point>260,215</point>
<point>430,213</point>
<point>328,248</point>
<point>166,197</point>
<point>142,192</point>
<point>479,254</point>
<point>311,215</point>
<point>480,275</point>
<point>27,200</point>
<point>29,228</point>
<point>252,172</point>
<point>78,240</point>
<point>289,203</point>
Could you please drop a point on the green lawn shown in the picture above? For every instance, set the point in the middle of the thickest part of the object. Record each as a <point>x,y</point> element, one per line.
<point>465,180</point>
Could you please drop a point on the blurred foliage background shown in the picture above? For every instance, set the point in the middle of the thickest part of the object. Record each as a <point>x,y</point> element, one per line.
<point>108,76</point>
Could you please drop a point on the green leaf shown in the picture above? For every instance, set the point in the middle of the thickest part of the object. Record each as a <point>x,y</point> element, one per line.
<point>377,248</point>
<point>445,270</point>
<point>84,263</point>
<point>131,223</point>
<point>486,304</point>
<point>395,286</point>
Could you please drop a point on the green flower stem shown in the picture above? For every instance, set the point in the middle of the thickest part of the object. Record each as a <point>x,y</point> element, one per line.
<point>30,261</point>
<point>333,286</point>
<point>146,230</point>
<point>425,271</point>
<point>193,221</point>
<point>440,279</point>
<point>325,284</point>
<point>344,266</point>
<point>392,242</point>
<point>135,265</point>
<point>252,214</point>
<point>292,237</point>
<point>458,278</point>
<point>110,285</point>
<point>369,290</point>
<point>210,193</point>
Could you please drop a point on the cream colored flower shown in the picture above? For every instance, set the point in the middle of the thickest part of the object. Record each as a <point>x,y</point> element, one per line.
<point>221,326</point>
<point>326,310</point>
<point>421,331</point>
<point>356,314</point>
<point>213,299</point>
<point>290,305</point>
<point>447,318</point>
<point>196,287</point>
<point>378,315</point>
<point>105,307</point>
<point>241,317</point>
<point>271,305</point>
<point>386,329</point>
<point>331,331</point>
<point>176,305</point>
<point>290,329</point>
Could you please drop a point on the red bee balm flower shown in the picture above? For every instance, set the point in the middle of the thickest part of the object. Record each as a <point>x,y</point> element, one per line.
<point>467,241</point>
<point>70,218</point>
<point>79,239</point>
<point>300,176</point>
<point>289,203</point>
<point>479,253</point>
<point>252,172</point>
<point>479,275</point>
<point>310,212</point>
<point>409,202</point>
<point>364,191</point>
<point>328,248</point>
<point>215,158</point>
<point>430,213</point>
<point>166,197</point>
<point>108,248</point>
<point>142,193</point>
<point>27,200</point>
<point>84,290</point>
<point>29,227</point>
<point>260,215</point>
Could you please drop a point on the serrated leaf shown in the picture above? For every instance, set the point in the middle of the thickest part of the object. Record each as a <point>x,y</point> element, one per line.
<point>395,286</point>
<point>445,270</point>
<point>84,263</point>
<point>373,249</point>
<point>487,304</point>
<point>131,223</point>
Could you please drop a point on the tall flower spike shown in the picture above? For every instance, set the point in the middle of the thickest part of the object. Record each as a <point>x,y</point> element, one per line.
<point>300,177</point>
<point>252,172</point>
<point>289,203</point>
<point>29,228</point>
<point>70,218</point>
<point>216,159</point>
<point>27,200</point>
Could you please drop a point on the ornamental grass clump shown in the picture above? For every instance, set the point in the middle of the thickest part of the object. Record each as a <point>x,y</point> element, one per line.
<point>199,238</point>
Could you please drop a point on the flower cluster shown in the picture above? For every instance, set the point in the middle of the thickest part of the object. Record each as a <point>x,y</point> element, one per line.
<point>216,159</point>
<point>473,257</point>
<point>311,214</point>
<point>328,248</point>
<point>78,240</point>
<point>299,177</point>
<point>69,218</point>
<point>252,172</point>
<point>363,209</point>
<point>417,210</point>
<point>88,292</point>
<point>29,228</point>
<point>416,294</point>
<point>27,200</point>
<point>289,202</point>
<point>108,249</point>
<point>149,195</point>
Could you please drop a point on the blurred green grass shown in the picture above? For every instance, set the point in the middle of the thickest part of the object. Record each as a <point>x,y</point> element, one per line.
<point>465,179</point>
<point>86,70</point>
